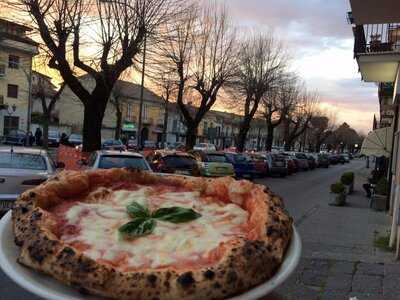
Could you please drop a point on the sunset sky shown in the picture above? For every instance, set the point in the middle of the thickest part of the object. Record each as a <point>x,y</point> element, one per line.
<point>321,44</point>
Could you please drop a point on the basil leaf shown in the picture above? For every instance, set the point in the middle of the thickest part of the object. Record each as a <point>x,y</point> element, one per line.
<point>136,210</point>
<point>175,214</point>
<point>137,228</point>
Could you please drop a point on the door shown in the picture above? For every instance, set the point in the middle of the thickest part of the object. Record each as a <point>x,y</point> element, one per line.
<point>10,123</point>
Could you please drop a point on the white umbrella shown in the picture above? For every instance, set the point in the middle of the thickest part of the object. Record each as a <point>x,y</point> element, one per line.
<point>378,143</point>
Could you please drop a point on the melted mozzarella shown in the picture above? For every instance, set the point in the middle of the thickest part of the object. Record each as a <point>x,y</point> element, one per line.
<point>169,244</point>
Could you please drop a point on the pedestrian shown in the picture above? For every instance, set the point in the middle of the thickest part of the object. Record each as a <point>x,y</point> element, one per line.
<point>372,181</point>
<point>31,138</point>
<point>38,136</point>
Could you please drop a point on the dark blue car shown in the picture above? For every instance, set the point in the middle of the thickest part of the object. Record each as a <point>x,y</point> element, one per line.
<point>242,164</point>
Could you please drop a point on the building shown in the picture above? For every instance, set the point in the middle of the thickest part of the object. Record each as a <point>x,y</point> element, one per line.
<point>376,27</point>
<point>125,96</point>
<point>219,128</point>
<point>16,53</point>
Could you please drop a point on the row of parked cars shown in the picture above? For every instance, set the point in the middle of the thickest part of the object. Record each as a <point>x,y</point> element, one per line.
<point>23,168</point>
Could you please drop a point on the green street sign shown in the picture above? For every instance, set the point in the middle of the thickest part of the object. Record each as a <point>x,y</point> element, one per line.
<point>129,127</point>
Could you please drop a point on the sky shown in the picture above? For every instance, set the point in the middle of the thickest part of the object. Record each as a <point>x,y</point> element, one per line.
<point>320,43</point>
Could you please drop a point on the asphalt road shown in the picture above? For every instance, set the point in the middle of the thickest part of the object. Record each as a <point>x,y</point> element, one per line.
<point>303,193</point>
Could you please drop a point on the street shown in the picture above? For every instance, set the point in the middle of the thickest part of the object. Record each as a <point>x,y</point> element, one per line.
<point>304,192</point>
<point>339,237</point>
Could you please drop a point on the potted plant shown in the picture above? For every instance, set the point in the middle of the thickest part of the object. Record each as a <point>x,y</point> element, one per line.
<point>348,180</point>
<point>338,194</point>
<point>379,198</point>
<point>375,43</point>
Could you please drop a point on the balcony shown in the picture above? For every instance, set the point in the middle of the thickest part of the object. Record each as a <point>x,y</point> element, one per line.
<point>377,50</point>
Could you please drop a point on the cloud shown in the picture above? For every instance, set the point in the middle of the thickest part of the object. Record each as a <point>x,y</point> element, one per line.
<point>321,44</point>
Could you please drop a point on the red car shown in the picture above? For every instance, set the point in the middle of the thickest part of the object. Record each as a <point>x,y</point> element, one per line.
<point>292,168</point>
<point>260,165</point>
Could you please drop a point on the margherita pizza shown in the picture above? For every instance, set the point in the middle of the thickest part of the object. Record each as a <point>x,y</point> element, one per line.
<point>126,234</point>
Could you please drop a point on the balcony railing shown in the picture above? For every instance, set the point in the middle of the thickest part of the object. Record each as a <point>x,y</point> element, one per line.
<point>376,38</point>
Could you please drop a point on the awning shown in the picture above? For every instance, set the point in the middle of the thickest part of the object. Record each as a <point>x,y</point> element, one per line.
<point>378,143</point>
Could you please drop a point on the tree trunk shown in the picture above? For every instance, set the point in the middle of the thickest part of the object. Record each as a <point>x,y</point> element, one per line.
<point>191,136</point>
<point>46,132</point>
<point>92,123</point>
<point>118,126</point>
<point>242,136</point>
<point>165,127</point>
<point>270,137</point>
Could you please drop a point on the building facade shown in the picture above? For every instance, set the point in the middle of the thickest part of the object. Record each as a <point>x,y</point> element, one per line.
<point>125,96</point>
<point>376,28</point>
<point>219,128</point>
<point>16,53</point>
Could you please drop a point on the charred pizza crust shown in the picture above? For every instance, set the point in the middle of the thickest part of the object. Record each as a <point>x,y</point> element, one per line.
<point>245,264</point>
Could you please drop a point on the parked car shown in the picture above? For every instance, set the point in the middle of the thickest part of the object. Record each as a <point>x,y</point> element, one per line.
<point>205,147</point>
<point>290,163</point>
<point>22,169</point>
<point>333,159</point>
<point>343,159</point>
<point>75,139</point>
<point>302,161</point>
<point>276,164</point>
<point>150,145</point>
<point>346,157</point>
<point>176,146</point>
<point>15,137</point>
<point>108,159</point>
<point>241,163</point>
<point>131,144</point>
<point>322,160</point>
<point>53,138</point>
<point>312,162</point>
<point>214,164</point>
<point>261,168</point>
<point>113,145</point>
<point>174,162</point>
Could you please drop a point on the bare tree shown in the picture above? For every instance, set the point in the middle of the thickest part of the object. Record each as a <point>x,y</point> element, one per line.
<point>261,63</point>
<point>276,104</point>
<point>116,99</point>
<point>298,118</point>
<point>166,86</point>
<point>321,127</point>
<point>213,67</point>
<point>99,37</point>
<point>171,60</point>
<point>48,98</point>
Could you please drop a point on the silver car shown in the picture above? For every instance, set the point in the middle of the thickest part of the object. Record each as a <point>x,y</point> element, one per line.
<point>22,169</point>
<point>108,159</point>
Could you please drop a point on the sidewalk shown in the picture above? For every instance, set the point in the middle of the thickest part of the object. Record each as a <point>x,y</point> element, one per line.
<point>339,259</point>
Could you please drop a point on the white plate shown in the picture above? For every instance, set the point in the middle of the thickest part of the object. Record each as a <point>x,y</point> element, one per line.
<point>48,288</point>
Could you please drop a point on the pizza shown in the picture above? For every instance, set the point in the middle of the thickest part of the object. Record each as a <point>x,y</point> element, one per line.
<point>126,234</point>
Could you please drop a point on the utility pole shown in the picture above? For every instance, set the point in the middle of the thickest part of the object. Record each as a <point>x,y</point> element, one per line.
<point>139,135</point>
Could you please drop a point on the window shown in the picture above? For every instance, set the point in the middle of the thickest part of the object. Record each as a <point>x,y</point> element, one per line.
<point>13,61</point>
<point>119,161</point>
<point>129,112</point>
<point>12,91</point>
<point>22,161</point>
<point>144,112</point>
